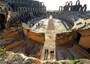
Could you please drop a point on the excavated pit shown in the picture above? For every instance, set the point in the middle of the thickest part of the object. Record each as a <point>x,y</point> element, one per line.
<point>17,43</point>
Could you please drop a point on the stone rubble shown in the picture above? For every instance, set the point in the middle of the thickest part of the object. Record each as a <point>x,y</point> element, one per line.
<point>19,58</point>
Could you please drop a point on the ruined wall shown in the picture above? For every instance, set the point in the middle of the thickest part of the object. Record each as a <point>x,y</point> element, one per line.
<point>11,32</point>
<point>38,37</point>
<point>85,39</point>
<point>70,7</point>
<point>65,39</point>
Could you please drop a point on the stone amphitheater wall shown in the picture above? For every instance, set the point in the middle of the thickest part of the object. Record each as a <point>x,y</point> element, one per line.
<point>38,37</point>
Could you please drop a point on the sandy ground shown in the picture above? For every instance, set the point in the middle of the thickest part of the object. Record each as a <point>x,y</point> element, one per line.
<point>51,25</point>
<point>49,43</point>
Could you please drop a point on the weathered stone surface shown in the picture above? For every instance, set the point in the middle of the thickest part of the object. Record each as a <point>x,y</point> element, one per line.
<point>16,58</point>
<point>19,58</point>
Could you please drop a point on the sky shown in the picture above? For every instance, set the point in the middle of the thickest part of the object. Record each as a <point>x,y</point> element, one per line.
<point>54,4</point>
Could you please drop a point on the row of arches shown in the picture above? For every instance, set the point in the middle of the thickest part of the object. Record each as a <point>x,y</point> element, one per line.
<point>25,8</point>
<point>19,18</point>
<point>5,9</point>
<point>35,11</point>
<point>26,12</point>
<point>16,8</point>
<point>28,2</point>
<point>70,7</point>
<point>26,16</point>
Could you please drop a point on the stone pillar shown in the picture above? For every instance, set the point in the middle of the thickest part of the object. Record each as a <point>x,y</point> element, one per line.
<point>60,9</point>
<point>71,7</point>
<point>77,6</point>
<point>84,8</point>
<point>66,7</point>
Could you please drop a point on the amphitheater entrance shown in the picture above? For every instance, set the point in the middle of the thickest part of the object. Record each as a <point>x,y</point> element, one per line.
<point>2,22</point>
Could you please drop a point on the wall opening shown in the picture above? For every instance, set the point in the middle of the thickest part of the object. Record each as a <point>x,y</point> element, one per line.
<point>2,22</point>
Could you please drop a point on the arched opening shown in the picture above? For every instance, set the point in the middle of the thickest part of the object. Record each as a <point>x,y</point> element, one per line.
<point>2,22</point>
<point>84,8</point>
<point>70,3</point>
<point>42,3</point>
<point>77,2</point>
<point>60,8</point>
<point>69,8</point>
<point>66,7</point>
<point>80,9</point>
<point>67,3</point>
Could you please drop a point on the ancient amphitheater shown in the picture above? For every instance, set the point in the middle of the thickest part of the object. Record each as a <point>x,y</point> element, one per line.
<point>54,38</point>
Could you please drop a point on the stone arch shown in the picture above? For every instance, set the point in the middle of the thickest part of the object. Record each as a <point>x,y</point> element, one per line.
<point>7,9</point>
<point>84,8</point>
<point>28,9</point>
<point>69,8</point>
<point>2,21</point>
<point>66,7</point>
<point>77,2</point>
<point>77,6</point>
<point>67,3</point>
<point>42,3</point>
<point>60,8</point>
<point>70,3</point>
<point>24,9</point>
<point>80,9</point>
